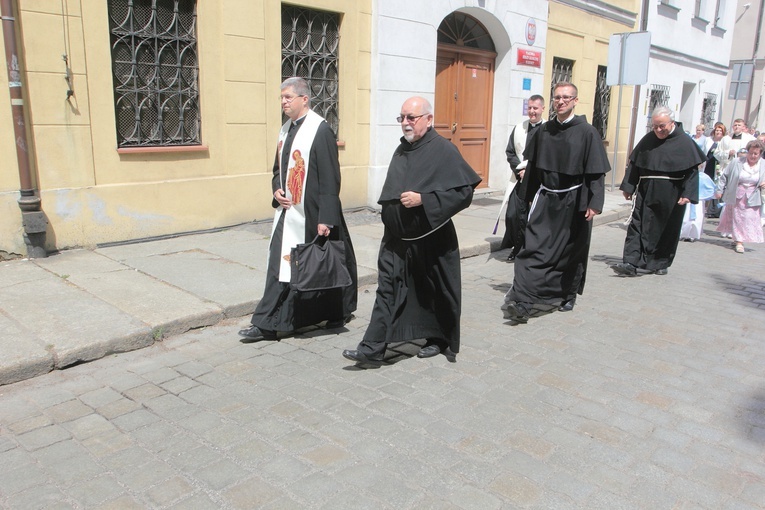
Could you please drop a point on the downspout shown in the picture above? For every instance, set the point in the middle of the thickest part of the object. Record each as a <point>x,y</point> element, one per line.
<point>636,94</point>
<point>33,218</point>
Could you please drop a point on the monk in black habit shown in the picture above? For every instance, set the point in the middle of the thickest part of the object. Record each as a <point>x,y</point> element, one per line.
<point>663,177</point>
<point>566,170</point>
<point>307,203</point>
<point>419,287</point>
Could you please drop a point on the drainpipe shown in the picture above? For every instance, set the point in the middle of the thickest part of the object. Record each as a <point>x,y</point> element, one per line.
<point>33,218</point>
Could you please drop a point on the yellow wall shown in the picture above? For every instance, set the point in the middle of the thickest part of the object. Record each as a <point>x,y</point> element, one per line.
<point>583,37</point>
<point>91,194</point>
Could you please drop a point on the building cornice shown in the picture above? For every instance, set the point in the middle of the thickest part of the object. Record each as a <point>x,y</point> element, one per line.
<point>685,59</point>
<point>604,10</point>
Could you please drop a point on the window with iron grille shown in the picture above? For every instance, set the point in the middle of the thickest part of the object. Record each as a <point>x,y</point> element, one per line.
<point>310,43</point>
<point>708,111</point>
<point>657,95</point>
<point>602,103</point>
<point>562,71</point>
<point>155,71</point>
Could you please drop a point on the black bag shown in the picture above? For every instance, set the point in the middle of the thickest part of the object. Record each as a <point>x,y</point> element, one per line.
<point>319,265</point>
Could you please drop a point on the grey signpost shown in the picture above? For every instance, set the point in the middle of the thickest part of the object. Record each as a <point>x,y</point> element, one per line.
<point>627,65</point>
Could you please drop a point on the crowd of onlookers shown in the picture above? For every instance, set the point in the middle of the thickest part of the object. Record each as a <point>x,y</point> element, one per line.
<point>732,186</point>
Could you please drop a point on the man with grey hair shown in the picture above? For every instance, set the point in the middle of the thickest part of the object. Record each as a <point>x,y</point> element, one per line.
<point>306,189</point>
<point>419,287</point>
<point>663,177</point>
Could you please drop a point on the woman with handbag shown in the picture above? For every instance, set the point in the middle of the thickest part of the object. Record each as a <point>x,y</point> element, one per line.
<point>739,187</point>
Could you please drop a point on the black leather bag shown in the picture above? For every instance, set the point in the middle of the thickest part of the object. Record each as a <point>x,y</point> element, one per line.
<point>319,265</point>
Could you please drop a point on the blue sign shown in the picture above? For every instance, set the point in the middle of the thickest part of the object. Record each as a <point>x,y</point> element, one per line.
<point>527,84</point>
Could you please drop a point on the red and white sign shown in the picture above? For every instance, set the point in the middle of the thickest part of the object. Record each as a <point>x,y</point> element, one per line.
<point>529,58</point>
<point>531,31</point>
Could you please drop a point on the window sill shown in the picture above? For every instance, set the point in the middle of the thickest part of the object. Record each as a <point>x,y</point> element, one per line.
<point>718,31</point>
<point>163,150</point>
<point>700,23</point>
<point>668,10</point>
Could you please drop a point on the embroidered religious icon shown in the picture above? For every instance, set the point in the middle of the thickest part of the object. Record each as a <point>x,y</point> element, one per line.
<point>296,177</point>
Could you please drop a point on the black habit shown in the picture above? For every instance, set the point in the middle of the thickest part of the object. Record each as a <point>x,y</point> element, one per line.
<point>660,172</point>
<point>419,285</point>
<point>282,308</point>
<point>517,210</point>
<point>551,266</point>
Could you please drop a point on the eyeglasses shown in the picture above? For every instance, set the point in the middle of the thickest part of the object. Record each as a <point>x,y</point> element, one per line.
<point>409,118</point>
<point>563,99</point>
<point>661,127</point>
<point>289,99</point>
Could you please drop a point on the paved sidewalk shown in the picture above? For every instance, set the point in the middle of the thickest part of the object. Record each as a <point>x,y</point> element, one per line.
<point>81,305</point>
<point>649,395</point>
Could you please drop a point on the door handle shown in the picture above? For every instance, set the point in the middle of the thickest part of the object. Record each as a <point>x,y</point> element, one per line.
<point>454,127</point>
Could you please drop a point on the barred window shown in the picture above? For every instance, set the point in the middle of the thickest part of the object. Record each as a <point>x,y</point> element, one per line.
<point>657,95</point>
<point>155,71</point>
<point>562,71</point>
<point>602,102</point>
<point>310,42</point>
<point>708,111</point>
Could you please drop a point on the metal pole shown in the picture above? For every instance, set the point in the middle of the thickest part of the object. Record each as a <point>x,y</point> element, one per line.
<point>619,107</point>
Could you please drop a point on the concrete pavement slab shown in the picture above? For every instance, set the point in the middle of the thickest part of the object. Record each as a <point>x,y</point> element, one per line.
<point>231,286</point>
<point>24,355</point>
<point>166,309</point>
<point>69,322</point>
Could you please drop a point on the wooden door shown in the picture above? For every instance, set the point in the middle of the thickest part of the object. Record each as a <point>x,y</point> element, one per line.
<point>463,100</point>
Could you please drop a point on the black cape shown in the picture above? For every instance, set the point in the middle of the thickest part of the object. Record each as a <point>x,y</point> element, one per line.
<point>282,308</point>
<point>660,172</point>
<point>551,266</point>
<point>419,282</point>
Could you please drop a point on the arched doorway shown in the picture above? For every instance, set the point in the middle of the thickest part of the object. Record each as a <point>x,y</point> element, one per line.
<point>464,85</point>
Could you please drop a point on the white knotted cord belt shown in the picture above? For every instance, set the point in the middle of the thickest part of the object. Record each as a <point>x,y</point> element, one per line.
<point>543,187</point>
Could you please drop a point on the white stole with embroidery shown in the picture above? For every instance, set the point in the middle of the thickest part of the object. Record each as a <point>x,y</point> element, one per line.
<point>293,183</point>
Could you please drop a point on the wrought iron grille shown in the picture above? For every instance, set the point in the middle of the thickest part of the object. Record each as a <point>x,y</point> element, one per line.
<point>463,30</point>
<point>602,103</point>
<point>562,70</point>
<point>657,95</point>
<point>310,42</point>
<point>155,71</point>
<point>709,111</point>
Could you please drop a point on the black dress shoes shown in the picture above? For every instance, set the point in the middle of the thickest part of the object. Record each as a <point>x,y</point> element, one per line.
<point>429,351</point>
<point>436,348</point>
<point>334,324</point>
<point>519,312</point>
<point>567,305</point>
<point>255,333</point>
<point>624,269</point>
<point>511,257</point>
<point>361,359</point>
<point>661,272</point>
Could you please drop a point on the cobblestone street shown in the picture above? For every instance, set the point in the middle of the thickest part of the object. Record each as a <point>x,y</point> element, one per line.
<point>649,395</point>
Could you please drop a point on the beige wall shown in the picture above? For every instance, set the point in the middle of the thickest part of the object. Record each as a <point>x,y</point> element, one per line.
<point>583,37</point>
<point>92,194</point>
